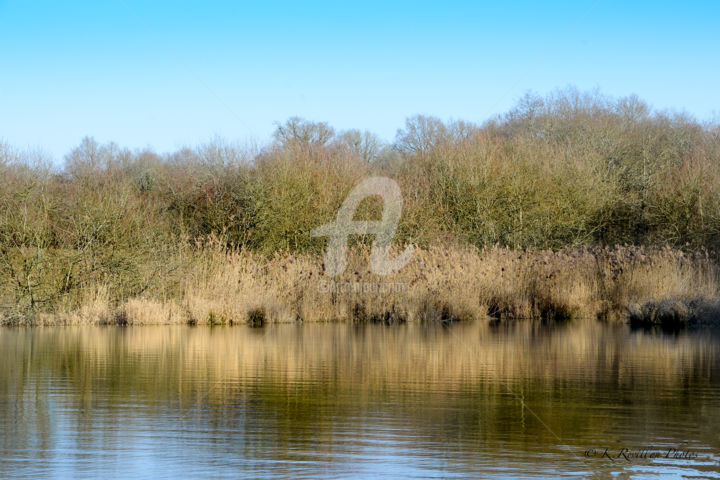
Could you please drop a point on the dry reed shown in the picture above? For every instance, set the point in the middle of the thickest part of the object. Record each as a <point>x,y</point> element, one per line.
<point>440,284</point>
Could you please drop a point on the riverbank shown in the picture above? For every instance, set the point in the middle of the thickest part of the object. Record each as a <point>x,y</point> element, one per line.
<point>441,284</point>
<point>511,219</point>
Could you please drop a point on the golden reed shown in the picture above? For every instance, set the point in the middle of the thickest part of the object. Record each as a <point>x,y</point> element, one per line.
<point>440,284</point>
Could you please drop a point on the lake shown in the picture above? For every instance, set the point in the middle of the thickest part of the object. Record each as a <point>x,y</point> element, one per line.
<point>521,400</point>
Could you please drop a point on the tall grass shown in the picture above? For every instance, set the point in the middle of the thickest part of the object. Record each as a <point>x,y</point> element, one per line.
<point>557,178</point>
<point>444,284</point>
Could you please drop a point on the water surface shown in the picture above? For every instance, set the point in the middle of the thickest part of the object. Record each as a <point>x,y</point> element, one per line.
<point>345,401</point>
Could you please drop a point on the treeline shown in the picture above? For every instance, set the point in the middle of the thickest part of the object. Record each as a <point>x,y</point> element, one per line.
<point>567,170</point>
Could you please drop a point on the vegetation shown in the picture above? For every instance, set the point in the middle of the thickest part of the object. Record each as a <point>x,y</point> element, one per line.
<point>221,233</point>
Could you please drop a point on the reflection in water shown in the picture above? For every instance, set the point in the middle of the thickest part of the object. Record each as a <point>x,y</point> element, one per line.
<point>355,401</point>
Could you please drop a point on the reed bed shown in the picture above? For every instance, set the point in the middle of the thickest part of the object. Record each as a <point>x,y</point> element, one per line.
<point>439,285</point>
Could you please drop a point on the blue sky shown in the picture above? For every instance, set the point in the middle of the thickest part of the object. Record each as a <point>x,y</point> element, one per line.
<point>169,74</point>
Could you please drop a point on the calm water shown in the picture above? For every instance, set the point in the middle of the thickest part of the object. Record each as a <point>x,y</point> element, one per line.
<point>342,401</point>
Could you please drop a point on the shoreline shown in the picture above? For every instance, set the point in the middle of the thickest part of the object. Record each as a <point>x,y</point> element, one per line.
<point>444,284</point>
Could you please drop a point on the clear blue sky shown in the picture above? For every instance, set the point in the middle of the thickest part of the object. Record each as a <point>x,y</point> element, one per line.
<point>170,73</point>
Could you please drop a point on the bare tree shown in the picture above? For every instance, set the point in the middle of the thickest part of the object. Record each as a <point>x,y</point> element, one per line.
<point>299,132</point>
<point>365,145</point>
<point>421,134</point>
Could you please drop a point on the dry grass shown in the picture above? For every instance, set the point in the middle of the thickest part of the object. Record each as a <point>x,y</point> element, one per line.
<point>440,284</point>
